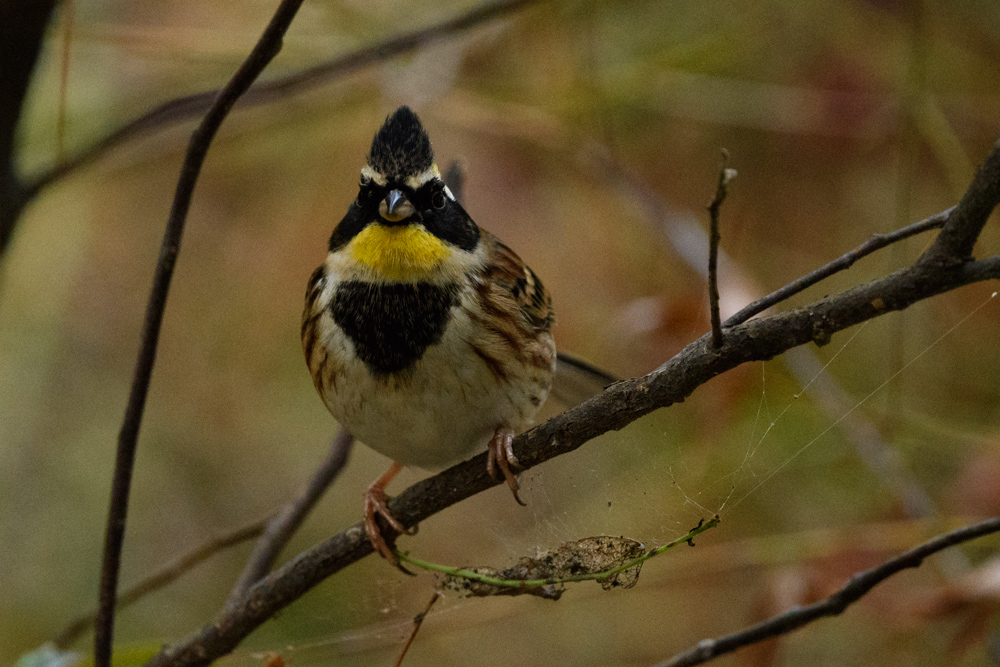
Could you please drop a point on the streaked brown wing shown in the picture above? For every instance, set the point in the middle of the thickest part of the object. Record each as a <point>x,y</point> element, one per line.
<point>511,273</point>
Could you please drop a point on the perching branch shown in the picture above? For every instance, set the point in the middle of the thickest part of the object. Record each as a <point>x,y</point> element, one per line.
<point>858,586</point>
<point>281,528</point>
<point>189,107</point>
<point>619,405</point>
<point>264,51</point>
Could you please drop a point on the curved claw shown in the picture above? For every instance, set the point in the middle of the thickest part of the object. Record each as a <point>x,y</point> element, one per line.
<point>375,504</point>
<point>501,455</point>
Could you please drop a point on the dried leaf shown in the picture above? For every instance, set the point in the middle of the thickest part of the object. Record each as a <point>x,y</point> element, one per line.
<point>589,555</point>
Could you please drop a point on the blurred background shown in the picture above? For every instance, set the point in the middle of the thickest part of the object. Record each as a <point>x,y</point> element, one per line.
<point>591,134</point>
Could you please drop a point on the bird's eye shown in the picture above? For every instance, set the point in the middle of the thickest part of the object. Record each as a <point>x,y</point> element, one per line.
<point>365,181</point>
<point>438,200</point>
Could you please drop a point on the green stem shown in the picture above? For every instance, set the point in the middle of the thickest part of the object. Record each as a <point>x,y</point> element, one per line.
<point>534,583</point>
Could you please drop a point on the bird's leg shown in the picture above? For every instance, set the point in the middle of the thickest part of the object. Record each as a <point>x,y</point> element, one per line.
<point>375,503</point>
<point>501,455</point>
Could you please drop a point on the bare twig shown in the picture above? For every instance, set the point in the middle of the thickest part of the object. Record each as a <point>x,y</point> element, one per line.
<point>281,528</point>
<point>165,575</point>
<point>263,52</point>
<point>856,588</point>
<point>845,261</point>
<point>955,242</point>
<point>418,620</point>
<point>617,406</point>
<point>725,176</point>
<point>191,106</point>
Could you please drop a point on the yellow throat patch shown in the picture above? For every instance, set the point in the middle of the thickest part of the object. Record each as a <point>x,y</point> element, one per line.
<point>401,253</point>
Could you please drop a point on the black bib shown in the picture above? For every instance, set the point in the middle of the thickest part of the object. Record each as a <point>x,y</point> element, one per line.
<point>391,325</point>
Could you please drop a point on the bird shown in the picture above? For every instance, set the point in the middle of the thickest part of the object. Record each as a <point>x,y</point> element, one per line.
<point>427,338</point>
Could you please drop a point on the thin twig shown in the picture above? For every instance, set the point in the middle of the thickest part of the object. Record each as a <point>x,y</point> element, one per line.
<point>725,176</point>
<point>281,528</point>
<point>958,237</point>
<point>191,106</point>
<point>845,261</point>
<point>854,590</point>
<point>617,406</point>
<point>418,620</point>
<point>165,575</point>
<point>264,51</point>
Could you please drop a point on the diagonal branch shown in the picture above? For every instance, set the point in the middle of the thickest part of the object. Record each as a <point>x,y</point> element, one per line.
<point>955,242</point>
<point>264,51</point>
<point>856,588</point>
<point>619,405</point>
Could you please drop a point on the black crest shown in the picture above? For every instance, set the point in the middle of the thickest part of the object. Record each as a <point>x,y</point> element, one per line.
<point>401,147</point>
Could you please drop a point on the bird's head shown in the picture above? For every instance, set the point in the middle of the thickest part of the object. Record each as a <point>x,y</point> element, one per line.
<point>405,224</point>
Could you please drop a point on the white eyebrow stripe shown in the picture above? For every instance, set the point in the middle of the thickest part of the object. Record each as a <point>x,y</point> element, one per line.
<point>447,191</point>
<point>375,176</point>
<point>423,177</point>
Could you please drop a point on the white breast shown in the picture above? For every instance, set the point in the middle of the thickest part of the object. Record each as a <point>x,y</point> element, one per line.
<point>445,408</point>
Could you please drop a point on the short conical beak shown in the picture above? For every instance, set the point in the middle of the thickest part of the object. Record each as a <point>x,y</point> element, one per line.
<point>396,207</point>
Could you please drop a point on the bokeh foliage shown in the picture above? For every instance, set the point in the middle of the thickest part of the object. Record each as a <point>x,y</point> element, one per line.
<point>843,118</point>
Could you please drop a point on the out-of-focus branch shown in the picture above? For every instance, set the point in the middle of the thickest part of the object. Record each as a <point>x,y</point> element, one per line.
<point>273,530</point>
<point>165,576</point>
<point>264,51</point>
<point>617,406</point>
<point>418,620</point>
<point>191,106</point>
<point>856,588</point>
<point>281,528</point>
<point>22,28</point>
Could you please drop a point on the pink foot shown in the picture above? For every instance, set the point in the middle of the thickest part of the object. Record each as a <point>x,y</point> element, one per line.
<point>501,455</point>
<point>375,504</point>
